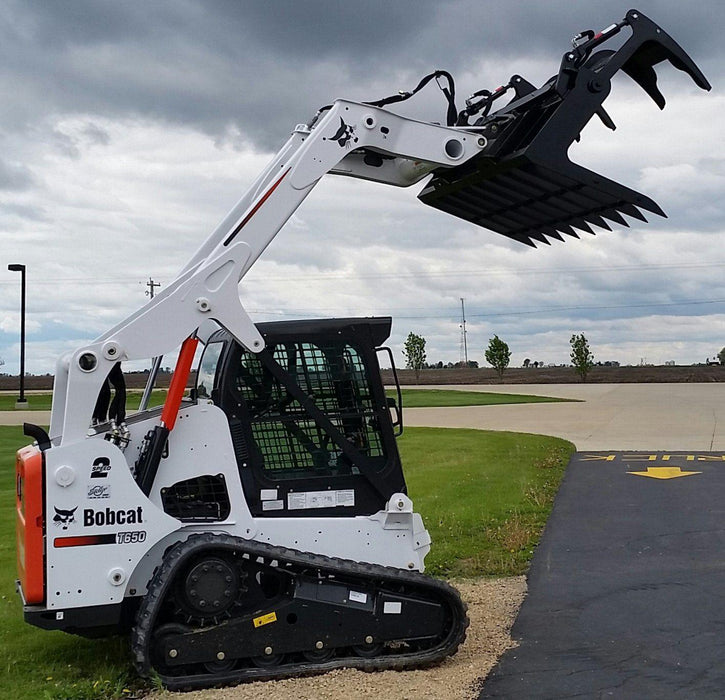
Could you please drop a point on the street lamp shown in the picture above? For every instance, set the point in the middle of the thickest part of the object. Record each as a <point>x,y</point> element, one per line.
<point>21,402</point>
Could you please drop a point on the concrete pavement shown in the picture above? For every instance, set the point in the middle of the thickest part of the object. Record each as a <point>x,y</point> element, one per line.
<point>20,417</point>
<point>610,416</point>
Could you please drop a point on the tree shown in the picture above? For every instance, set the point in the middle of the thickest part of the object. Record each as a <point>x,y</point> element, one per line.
<point>498,355</point>
<point>527,362</point>
<point>414,352</point>
<point>582,357</point>
<point>721,356</point>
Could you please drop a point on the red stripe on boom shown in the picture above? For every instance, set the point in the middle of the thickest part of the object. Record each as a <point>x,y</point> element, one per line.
<point>256,207</point>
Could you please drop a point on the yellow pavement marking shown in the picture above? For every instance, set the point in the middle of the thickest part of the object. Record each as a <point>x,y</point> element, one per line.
<point>664,473</point>
<point>653,457</point>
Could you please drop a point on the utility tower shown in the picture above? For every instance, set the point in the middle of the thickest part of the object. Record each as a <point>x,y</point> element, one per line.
<point>151,285</point>
<point>156,362</point>
<point>464,343</point>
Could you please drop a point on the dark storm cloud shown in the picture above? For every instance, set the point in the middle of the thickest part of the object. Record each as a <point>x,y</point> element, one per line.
<point>261,67</point>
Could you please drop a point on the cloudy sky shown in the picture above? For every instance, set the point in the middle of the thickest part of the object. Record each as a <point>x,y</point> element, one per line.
<point>128,129</point>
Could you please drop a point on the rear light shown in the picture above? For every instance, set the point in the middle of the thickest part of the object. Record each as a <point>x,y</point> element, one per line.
<point>29,524</point>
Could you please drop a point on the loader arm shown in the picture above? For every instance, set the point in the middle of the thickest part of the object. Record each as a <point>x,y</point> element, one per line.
<point>509,172</point>
<point>207,287</point>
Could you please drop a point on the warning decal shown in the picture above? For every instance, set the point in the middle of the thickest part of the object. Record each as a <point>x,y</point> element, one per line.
<point>304,500</point>
<point>265,619</point>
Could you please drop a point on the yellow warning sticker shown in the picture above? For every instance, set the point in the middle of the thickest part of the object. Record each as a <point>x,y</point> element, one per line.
<point>265,619</point>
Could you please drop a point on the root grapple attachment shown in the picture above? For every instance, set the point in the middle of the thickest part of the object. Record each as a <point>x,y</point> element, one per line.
<point>523,184</point>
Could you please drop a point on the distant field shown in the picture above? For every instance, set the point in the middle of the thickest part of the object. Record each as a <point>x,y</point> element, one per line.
<point>563,375</point>
<point>441,398</point>
<point>484,375</point>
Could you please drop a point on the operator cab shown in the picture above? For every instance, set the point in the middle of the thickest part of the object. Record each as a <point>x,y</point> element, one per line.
<point>309,418</point>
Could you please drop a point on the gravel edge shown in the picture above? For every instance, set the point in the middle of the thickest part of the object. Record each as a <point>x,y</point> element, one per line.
<point>492,607</point>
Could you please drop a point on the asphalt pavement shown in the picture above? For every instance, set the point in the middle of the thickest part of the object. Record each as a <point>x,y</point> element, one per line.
<point>626,592</point>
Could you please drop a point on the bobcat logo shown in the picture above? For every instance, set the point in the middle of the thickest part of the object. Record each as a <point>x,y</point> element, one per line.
<point>344,135</point>
<point>64,517</point>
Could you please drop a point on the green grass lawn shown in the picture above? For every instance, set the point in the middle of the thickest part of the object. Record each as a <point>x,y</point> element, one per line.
<point>484,497</point>
<point>429,398</point>
<point>412,398</point>
<point>41,402</point>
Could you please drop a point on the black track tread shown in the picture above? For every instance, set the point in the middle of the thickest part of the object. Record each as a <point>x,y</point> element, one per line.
<point>176,555</point>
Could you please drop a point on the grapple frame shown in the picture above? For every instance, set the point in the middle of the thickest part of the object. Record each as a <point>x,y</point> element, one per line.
<point>523,185</point>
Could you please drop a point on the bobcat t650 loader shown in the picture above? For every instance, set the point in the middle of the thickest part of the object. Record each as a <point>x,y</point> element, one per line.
<point>260,528</point>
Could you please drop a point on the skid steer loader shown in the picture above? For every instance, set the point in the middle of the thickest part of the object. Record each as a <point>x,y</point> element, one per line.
<point>260,527</point>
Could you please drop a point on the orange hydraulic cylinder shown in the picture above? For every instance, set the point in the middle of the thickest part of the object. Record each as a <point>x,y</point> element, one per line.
<point>178,382</point>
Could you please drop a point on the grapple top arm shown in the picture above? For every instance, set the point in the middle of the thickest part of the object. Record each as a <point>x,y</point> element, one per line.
<point>648,46</point>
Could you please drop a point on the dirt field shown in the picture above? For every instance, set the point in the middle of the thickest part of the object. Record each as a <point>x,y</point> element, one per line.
<point>513,375</point>
<point>564,375</point>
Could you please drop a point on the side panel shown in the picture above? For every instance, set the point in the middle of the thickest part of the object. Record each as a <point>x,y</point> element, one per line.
<point>29,523</point>
<point>99,525</point>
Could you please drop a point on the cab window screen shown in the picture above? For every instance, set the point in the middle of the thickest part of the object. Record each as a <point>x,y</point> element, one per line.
<point>289,440</point>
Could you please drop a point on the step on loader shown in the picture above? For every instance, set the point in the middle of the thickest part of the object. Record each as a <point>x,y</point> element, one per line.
<point>259,527</point>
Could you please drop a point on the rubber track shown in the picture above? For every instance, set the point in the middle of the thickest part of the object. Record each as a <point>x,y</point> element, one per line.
<point>142,633</point>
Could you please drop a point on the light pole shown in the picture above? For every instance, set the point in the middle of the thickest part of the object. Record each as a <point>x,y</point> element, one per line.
<point>21,402</point>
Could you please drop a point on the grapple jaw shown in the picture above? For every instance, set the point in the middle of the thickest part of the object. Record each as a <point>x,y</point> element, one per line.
<point>523,184</point>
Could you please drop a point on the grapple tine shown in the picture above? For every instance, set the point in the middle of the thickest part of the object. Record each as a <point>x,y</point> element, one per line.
<point>581,224</point>
<point>540,237</point>
<point>650,205</point>
<point>553,233</point>
<point>614,215</point>
<point>565,228</point>
<point>599,221</point>
<point>631,210</point>
<point>523,238</point>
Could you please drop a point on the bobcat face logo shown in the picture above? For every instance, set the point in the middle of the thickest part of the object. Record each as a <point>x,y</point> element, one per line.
<point>64,517</point>
<point>344,135</point>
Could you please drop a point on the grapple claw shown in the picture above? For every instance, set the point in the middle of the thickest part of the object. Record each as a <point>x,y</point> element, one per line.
<point>522,184</point>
